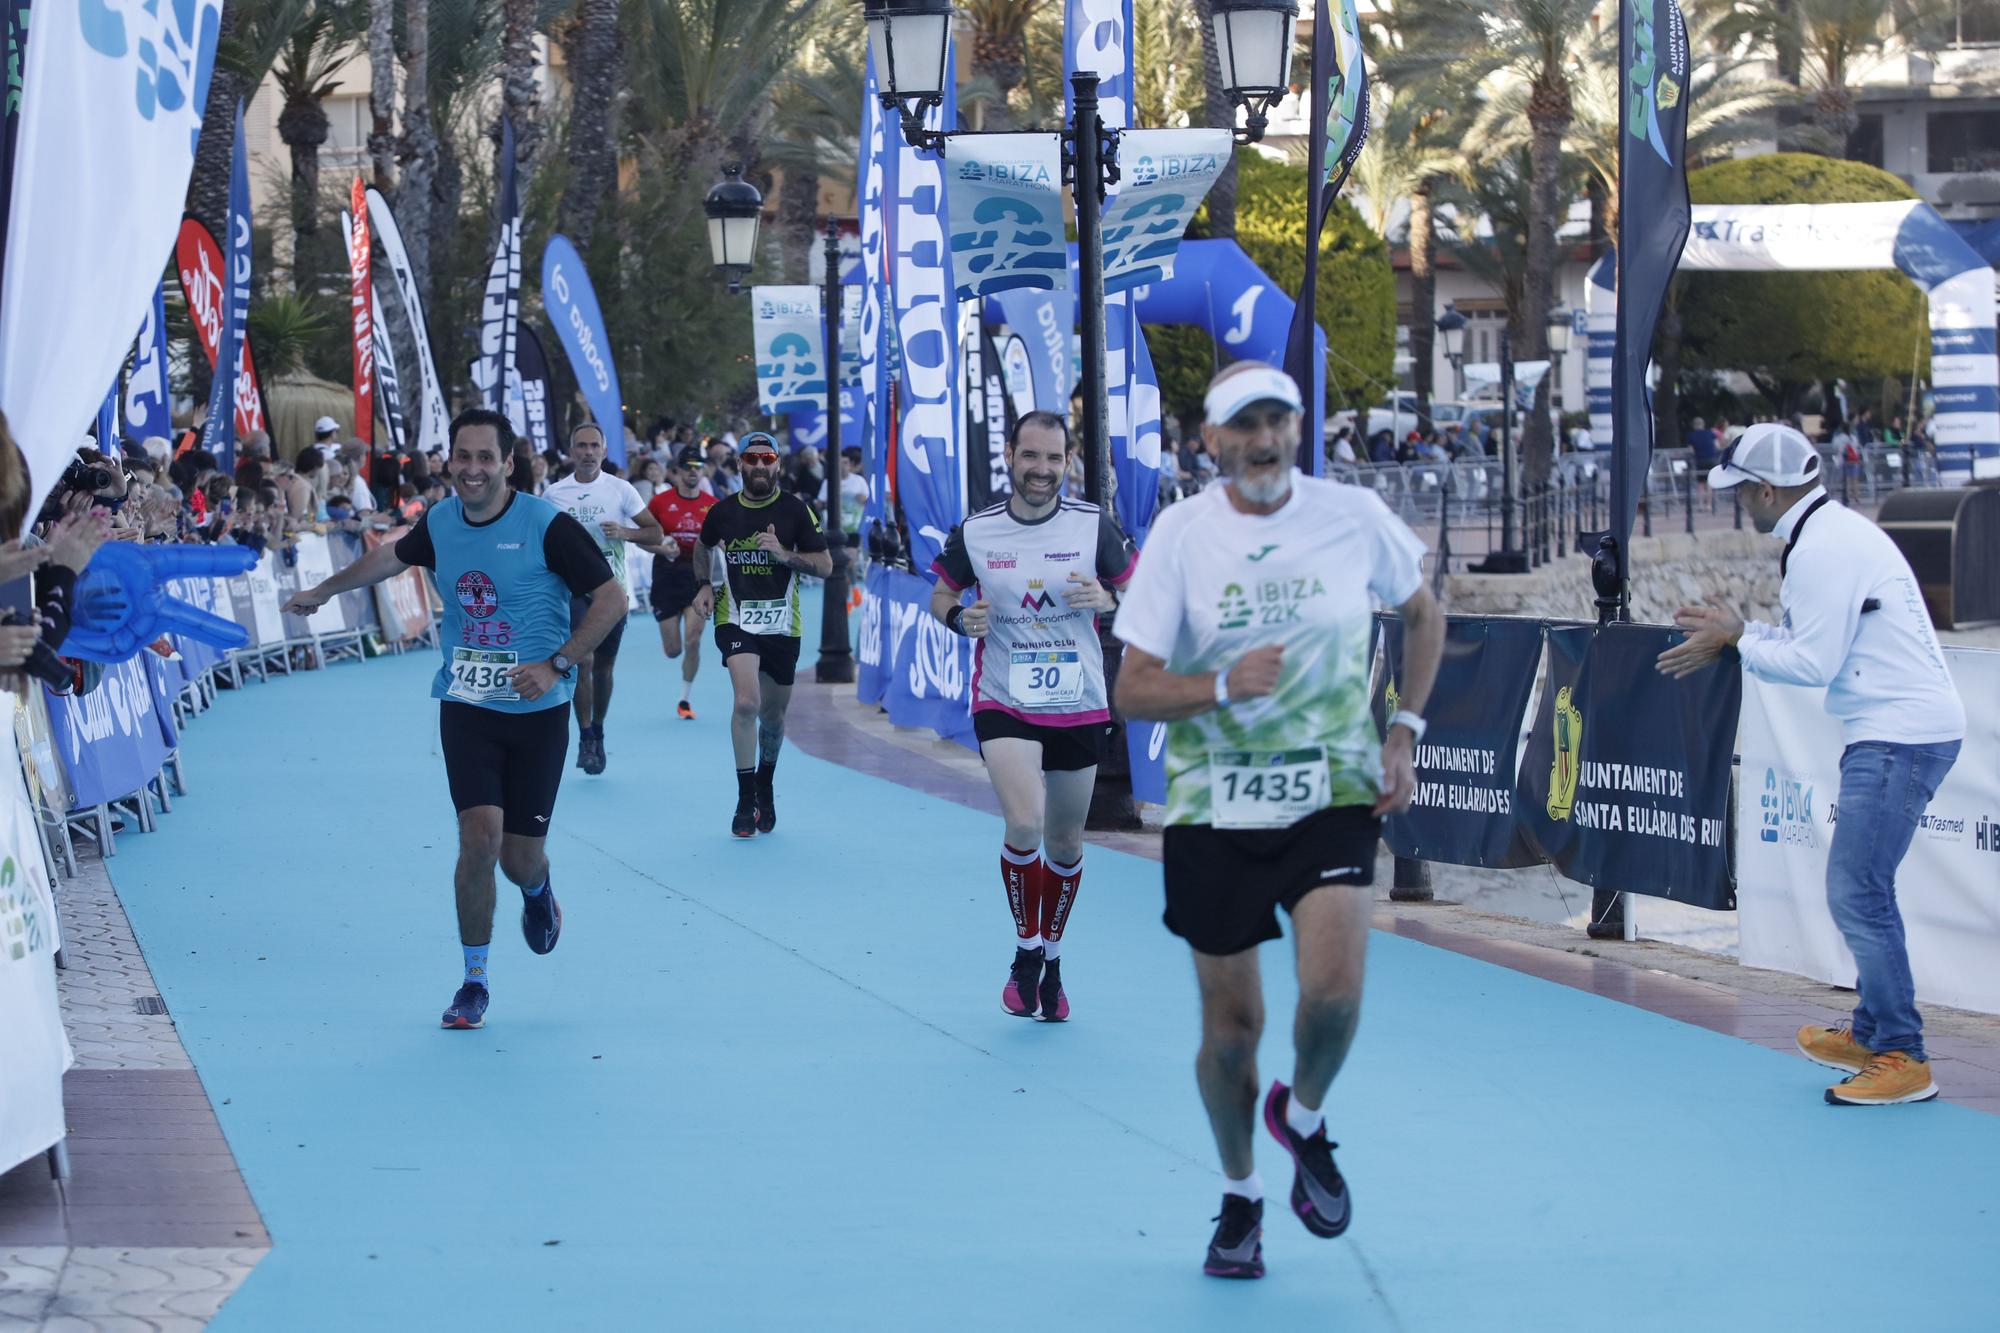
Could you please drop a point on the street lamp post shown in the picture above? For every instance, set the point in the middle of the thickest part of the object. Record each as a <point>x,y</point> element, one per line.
<point>734,207</point>
<point>1451,327</point>
<point>909,39</point>
<point>836,658</point>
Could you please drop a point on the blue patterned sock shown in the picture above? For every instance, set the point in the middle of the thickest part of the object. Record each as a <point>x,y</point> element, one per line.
<point>538,890</point>
<point>475,962</point>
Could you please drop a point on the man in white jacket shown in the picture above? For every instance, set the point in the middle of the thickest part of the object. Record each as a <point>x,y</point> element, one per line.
<point>1854,622</point>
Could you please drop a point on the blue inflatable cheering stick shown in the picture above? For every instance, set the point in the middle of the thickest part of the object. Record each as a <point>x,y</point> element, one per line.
<point>121,605</point>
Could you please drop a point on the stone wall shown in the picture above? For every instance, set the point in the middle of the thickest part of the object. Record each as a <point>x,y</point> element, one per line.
<point>1668,572</point>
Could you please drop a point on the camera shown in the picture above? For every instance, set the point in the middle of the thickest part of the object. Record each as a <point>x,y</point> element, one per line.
<point>82,476</point>
<point>43,663</point>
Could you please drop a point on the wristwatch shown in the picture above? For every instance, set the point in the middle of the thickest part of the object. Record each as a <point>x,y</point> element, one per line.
<point>1222,688</point>
<point>1405,718</point>
<point>564,667</point>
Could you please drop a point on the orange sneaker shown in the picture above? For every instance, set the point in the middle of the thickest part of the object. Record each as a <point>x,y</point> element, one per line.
<point>1835,1048</point>
<point>1891,1078</point>
<point>687,715</point>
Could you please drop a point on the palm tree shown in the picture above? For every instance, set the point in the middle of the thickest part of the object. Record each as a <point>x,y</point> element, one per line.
<point>251,35</point>
<point>1537,43</point>
<point>999,50</point>
<point>595,50</point>
<point>1169,84</point>
<point>382,92</point>
<point>814,134</point>
<point>317,45</point>
<point>418,149</point>
<point>1415,146</point>
<point>519,91</point>
<point>1217,110</point>
<point>1833,40</point>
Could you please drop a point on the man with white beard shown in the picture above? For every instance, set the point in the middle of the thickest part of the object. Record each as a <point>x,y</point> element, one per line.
<point>1248,631</point>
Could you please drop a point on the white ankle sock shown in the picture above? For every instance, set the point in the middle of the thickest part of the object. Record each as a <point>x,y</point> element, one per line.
<point>1051,948</point>
<point>1302,1121</point>
<point>686,685</point>
<point>1030,944</point>
<point>1251,1188</point>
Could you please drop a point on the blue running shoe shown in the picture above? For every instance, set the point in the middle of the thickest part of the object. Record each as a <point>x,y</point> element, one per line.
<point>541,919</point>
<point>468,1008</point>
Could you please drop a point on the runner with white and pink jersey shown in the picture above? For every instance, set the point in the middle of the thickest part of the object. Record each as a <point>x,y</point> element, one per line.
<point>1043,567</point>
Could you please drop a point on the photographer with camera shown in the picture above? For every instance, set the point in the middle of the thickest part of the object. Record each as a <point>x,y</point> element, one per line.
<point>73,527</point>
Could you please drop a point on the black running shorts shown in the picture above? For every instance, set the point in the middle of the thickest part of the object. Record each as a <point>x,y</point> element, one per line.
<point>512,760</point>
<point>1224,886</point>
<point>1064,749</point>
<point>674,587</point>
<point>777,654</point>
<point>608,649</point>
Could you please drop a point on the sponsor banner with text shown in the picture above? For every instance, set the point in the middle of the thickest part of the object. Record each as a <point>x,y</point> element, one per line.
<point>790,343</point>
<point>1788,805</point>
<point>1463,812</point>
<point>909,663</point>
<point>1006,206</point>
<point>1625,780</point>
<point>1166,175</point>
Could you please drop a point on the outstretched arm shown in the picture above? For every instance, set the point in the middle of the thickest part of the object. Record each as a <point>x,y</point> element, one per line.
<point>378,564</point>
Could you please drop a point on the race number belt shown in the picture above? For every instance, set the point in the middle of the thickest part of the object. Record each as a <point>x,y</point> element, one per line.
<point>1043,678</point>
<point>772,617</point>
<point>1267,788</point>
<point>482,675</point>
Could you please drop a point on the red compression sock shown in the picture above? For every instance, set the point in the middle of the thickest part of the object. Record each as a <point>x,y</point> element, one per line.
<point>1020,873</point>
<point>1059,887</point>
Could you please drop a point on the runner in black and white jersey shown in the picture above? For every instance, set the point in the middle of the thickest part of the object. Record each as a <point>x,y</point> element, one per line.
<point>1041,564</point>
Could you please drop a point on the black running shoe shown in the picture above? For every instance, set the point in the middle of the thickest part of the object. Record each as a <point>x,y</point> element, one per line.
<point>744,823</point>
<point>468,1008</point>
<point>767,809</point>
<point>1237,1248</point>
<point>1319,1194</point>
<point>593,762</point>
<point>1018,996</point>
<point>1055,1005</point>
<point>541,919</point>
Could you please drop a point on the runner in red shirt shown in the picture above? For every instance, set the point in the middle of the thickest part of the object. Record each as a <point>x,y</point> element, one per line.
<point>680,509</point>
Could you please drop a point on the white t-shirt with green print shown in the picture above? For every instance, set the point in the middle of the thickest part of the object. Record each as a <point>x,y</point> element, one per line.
<point>1214,583</point>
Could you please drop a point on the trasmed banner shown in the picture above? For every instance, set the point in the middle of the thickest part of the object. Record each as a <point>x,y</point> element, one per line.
<point>1625,780</point>
<point>204,285</point>
<point>790,344</point>
<point>1463,813</point>
<point>1165,174</point>
<point>1788,805</point>
<point>1006,205</point>
<point>361,298</point>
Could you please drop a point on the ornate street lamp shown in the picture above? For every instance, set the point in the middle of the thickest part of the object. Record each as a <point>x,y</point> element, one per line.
<point>1451,327</point>
<point>909,39</point>
<point>734,208</point>
<point>1253,44</point>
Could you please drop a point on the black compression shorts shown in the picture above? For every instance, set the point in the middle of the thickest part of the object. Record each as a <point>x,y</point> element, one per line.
<point>674,587</point>
<point>777,654</point>
<point>1224,886</point>
<point>608,649</point>
<point>1064,749</point>
<point>512,760</point>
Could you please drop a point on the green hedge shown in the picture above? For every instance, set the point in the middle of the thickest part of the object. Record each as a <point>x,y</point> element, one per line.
<point>1795,328</point>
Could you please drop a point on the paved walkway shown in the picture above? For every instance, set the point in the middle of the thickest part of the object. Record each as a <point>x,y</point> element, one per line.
<point>768,1085</point>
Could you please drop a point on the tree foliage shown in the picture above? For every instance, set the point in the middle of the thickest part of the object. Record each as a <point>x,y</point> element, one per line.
<point>1357,290</point>
<point>1790,329</point>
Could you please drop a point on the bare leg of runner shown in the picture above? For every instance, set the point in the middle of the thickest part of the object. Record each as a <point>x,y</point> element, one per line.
<point>1330,934</point>
<point>1232,1020</point>
<point>478,849</point>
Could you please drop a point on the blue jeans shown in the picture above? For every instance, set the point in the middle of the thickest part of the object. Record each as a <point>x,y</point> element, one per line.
<point>1884,788</point>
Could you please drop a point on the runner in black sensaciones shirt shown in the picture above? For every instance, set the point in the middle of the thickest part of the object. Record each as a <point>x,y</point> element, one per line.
<point>767,537</point>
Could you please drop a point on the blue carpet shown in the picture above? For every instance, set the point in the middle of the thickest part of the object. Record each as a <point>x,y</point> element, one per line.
<point>768,1085</point>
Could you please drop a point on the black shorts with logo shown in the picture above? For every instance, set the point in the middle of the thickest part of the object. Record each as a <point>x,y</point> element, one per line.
<point>608,649</point>
<point>1064,749</point>
<point>512,760</point>
<point>1224,886</point>
<point>777,654</point>
<point>674,587</point>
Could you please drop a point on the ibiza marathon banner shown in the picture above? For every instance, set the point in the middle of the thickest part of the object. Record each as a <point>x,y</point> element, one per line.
<point>907,662</point>
<point>1165,174</point>
<point>1463,812</point>
<point>790,339</point>
<point>1625,781</point>
<point>1006,205</point>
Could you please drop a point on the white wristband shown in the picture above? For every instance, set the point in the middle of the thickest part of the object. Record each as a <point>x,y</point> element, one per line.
<point>1222,689</point>
<point>1405,718</point>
